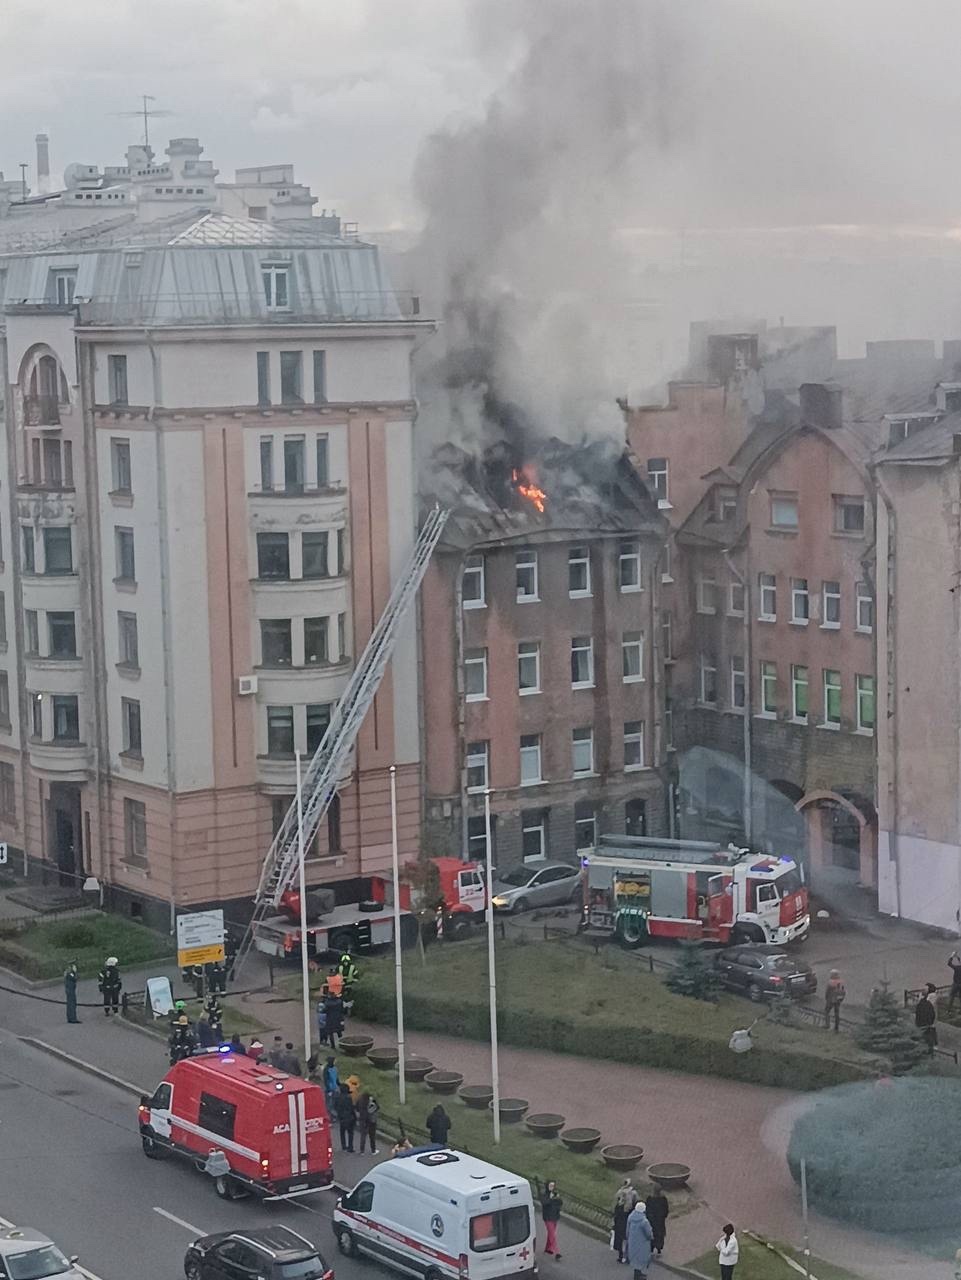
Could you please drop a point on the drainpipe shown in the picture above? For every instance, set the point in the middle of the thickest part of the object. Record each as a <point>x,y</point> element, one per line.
<point>459,691</point>
<point>891,692</point>
<point>746,728</point>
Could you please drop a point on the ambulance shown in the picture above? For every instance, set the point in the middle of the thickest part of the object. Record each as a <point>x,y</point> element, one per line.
<point>252,1128</point>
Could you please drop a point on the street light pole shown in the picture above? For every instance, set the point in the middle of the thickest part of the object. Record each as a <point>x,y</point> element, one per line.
<point>491,971</point>
<point>302,885</point>
<point>398,970</point>
<point>804,1213</point>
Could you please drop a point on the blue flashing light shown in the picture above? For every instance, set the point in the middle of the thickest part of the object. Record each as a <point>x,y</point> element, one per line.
<point>224,1048</point>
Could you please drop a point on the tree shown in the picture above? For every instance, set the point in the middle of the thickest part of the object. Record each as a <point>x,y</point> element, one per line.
<point>694,975</point>
<point>887,1032</point>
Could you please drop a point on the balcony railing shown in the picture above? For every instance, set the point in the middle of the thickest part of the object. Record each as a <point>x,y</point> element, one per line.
<point>41,411</point>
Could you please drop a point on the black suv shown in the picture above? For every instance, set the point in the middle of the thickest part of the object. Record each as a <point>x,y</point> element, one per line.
<point>264,1253</point>
<point>764,971</point>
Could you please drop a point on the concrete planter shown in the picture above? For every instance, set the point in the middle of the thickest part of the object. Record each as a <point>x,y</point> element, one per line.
<point>355,1046</point>
<point>622,1156</point>
<point>671,1177</point>
<point>384,1059</point>
<point>416,1069</point>
<point>581,1141</point>
<point>545,1124</point>
<point>478,1096</point>
<point>511,1109</point>
<point>443,1081</point>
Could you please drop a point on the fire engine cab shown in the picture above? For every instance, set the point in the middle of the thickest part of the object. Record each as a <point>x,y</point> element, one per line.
<point>638,888</point>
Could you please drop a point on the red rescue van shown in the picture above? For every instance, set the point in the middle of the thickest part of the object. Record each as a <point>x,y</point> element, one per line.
<point>251,1127</point>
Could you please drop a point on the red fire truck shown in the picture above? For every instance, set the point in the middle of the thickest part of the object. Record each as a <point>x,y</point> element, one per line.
<point>638,888</point>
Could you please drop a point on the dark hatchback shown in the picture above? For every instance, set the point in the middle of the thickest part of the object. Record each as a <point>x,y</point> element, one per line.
<point>271,1253</point>
<point>761,972</point>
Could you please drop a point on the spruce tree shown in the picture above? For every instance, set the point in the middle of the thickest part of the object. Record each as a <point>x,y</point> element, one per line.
<point>694,974</point>
<point>887,1032</point>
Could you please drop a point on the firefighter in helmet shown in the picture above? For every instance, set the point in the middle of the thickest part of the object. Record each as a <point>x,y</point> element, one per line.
<point>110,985</point>
<point>350,973</point>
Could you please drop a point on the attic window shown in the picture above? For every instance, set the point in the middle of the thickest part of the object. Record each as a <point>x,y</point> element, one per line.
<point>726,504</point>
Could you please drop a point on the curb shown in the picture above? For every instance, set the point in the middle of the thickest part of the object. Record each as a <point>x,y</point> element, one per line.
<point>82,1065</point>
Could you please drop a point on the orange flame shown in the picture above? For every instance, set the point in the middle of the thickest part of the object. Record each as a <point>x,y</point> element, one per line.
<point>524,484</point>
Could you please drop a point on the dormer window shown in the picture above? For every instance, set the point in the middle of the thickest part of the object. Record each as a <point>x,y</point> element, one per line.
<point>726,504</point>
<point>276,292</point>
<point>63,285</point>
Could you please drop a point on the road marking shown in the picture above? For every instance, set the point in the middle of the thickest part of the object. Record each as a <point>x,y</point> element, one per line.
<point>90,1275</point>
<point>172,1217</point>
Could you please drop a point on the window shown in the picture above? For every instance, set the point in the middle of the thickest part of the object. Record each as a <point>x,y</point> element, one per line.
<point>799,693</point>
<point>708,669</point>
<point>275,288</point>
<point>57,550</point>
<point>832,698</point>
<point>477,764</point>
<point>866,703</point>
<point>738,689</point>
<point>263,378</point>
<point>52,468</point>
<point>629,566</point>
<point>830,605</point>
<point>530,759</point>
<point>341,551</point>
<point>582,662</point>
<point>800,601</point>
<point>657,478</point>
<point>28,548</point>
<point>767,593</point>
<point>8,792</point>
<point>273,555</point>
<point>848,514</point>
<point>117,379</point>
<point>502,1229</point>
<point>533,834</point>
<point>294,464</point>
<point>784,511</point>
<point>291,377</point>
<point>342,647</point>
<point>126,562</point>
<point>129,644</point>
<point>769,689</point>
<point>318,720</point>
<point>633,744</point>
<point>120,465</point>
<point>135,832</point>
<point>323,468</point>
<point>472,588</point>
<point>667,635</point>
<point>477,836</point>
<point>707,593</point>
<point>865,608</point>
<point>726,508</point>
<point>66,718</point>
<point>361,1199</point>
<point>266,464</point>
<point>735,598</point>
<point>475,675</point>
<point>280,731</point>
<point>632,656</point>
<point>666,563</point>
<point>3,618</point>
<point>4,704</point>
<point>316,640</point>
<point>582,750</point>
<point>132,740</point>
<point>635,818</point>
<point>320,377</point>
<point>31,632</point>
<point>64,284</point>
<point>585,825</point>
<point>579,571</point>
<point>525,568</point>
<point>314,553</point>
<point>217,1116</point>
<point>62,635</point>
<point>36,714</point>
<point>528,667</point>
<point>275,643</point>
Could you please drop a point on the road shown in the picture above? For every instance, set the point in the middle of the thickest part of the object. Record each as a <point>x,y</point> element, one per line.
<point>73,1168</point>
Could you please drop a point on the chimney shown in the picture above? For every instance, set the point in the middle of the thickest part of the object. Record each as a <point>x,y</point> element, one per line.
<point>822,405</point>
<point>43,163</point>
<point>731,354</point>
<point>948,396</point>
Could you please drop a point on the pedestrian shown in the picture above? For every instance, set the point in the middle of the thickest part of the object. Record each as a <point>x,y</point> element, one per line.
<point>335,983</point>
<point>110,985</point>
<point>70,990</point>
<point>657,1209</point>
<point>291,1061</point>
<point>256,1050</point>
<point>355,1087</point>
<point>551,1205</point>
<point>321,1022</point>
<point>438,1126</point>
<point>954,964</point>
<point>197,978</point>
<point>331,1083</point>
<point>237,1045</point>
<point>368,1112</point>
<point>276,1055</point>
<point>925,1016</point>
<point>401,1145</point>
<point>834,994</point>
<point>624,1202</point>
<point>639,1241</point>
<point>205,1033</point>
<point>727,1252</point>
<point>347,1118</point>
<point>181,1042</point>
<point>335,1019</point>
<point>350,973</point>
<point>215,1015</point>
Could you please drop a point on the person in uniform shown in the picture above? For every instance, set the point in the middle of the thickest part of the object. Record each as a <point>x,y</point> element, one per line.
<point>70,991</point>
<point>110,984</point>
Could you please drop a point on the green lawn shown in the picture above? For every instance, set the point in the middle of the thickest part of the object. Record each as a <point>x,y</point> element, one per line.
<point>45,949</point>
<point>760,1263</point>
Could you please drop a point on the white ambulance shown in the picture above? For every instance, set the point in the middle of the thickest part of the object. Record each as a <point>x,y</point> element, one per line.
<point>441,1215</point>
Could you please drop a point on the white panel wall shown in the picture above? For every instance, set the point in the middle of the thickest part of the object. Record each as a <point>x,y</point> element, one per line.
<point>929,880</point>
<point>400,515</point>
<point>371,370</point>
<point>140,380</point>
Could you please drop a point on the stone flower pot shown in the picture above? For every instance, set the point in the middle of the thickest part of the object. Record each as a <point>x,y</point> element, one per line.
<point>416,1069</point>
<point>580,1141</point>
<point>478,1096</point>
<point>511,1109</point>
<point>622,1156</point>
<point>443,1081</point>
<point>383,1058</point>
<point>672,1177</point>
<point>545,1124</point>
<point>355,1046</point>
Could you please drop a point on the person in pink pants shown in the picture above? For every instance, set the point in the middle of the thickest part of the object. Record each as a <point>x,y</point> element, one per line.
<point>551,1205</point>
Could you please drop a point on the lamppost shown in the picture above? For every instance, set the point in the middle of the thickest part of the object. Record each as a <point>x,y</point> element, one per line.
<point>398,970</point>
<point>491,971</point>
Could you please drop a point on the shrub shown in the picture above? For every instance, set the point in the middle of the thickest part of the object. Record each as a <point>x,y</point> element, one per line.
<point>694,974</point>
<point>887,1032</point>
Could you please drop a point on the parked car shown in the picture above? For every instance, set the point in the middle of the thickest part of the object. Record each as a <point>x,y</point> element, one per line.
<point>537,884</point>
<point>26,1254</point>
<point>764,971</point>
<point>274,1253</point>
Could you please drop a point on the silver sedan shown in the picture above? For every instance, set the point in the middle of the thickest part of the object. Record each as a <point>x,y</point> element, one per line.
<point>26,1254</point>
<point>537,884</point>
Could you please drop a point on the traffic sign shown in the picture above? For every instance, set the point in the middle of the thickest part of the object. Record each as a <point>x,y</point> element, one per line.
<point>200,938</point>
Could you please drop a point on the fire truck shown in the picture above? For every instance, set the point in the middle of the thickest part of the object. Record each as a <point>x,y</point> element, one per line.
<point>638,888</point>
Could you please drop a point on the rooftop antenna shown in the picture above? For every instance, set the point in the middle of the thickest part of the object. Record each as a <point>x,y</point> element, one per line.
<point>23,181</point>
<point>146,114</point>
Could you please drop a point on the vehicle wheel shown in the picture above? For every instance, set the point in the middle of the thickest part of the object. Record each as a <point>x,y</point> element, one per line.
<point>433,1274</point>
<point>346,1243</point>
<point>192,1269</point>
<point>520,904</point>
<point>370,906</point>
<point>744,934</point>
<point>457,927</point>
<point>631,933</point>
<point>152,1149</point>
<point>342,940</point>
<point>756,993</point>
<point>225,1187</point>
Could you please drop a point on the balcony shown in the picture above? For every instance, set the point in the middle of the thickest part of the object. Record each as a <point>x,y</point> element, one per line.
<point>41,411</point>
<point>71,761</point>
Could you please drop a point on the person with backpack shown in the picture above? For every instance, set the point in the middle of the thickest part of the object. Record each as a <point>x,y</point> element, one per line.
<point>368,1113</point>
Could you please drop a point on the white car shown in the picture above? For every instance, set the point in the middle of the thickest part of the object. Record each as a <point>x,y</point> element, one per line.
<point>26,1254</point>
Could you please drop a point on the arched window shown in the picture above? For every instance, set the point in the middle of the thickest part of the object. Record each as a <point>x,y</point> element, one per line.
<point>44,386</point>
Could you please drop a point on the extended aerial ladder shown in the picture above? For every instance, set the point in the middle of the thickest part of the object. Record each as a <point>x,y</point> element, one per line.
<point>319,781</point>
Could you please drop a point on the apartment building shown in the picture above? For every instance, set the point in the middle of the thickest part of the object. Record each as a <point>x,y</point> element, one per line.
<point>207,471</point>
<point>542,676</point>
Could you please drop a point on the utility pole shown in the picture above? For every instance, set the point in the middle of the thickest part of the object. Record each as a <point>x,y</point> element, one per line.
<point>398,963</point>
<point>491,971</point>
<point>302,886</point>
<point>23,181</point>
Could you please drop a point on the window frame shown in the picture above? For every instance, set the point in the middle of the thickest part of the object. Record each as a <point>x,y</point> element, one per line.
<point>135,832</point>
<point>766,593</point>
<point>531,748</point>
<point>534,820</point>
<point>124,631</point>
<point>322,459</point>
<point>633,735</point>
<point>579,740</point>
<point>768,682</point>
<point>120,462</point>
<point>475,658</point>
<point>274,628</point>
<point>28,550</point>
<point>581,820</point>
<point>61,624</point>
<point>130,713</point>
<point>319,625</point>
<point>117,384</point>
<point>315,712</point>
<point>579,567</point>
<point>274,725</point>
<point>587,648</point>
<point>477,760</point>
<point>827,624</point>
<point>865,597</point>
<point>271,277</point>
<point>63,704</point>
<point>534,647</point>
<point>800,593</point>
<point>738,676</point>
<point>783,502</point>
<point>733,610</point>
<point>863,694</point>
<point>123,538</point>
<point>319,363</point>
<point>315,538</point>
<point>843,502</point>
<point>706,593</point>
<point>706,663</point>
<point>525,561</point>
<point>659,478</point>
<point>632,642</point>
<point>270,541</point>
<point>828,687</point>
<point>629,553</point>
<point>50,541</point>
<point>475,569</point>
<point>292,378</point>
<point>799,682</point>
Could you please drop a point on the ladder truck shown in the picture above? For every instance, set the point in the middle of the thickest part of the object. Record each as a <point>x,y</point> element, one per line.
<point>354,926</point>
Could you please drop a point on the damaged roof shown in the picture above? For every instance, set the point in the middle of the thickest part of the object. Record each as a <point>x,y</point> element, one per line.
<point>935,443</point>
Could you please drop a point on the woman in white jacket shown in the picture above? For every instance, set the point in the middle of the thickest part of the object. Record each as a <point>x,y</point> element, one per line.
<point>727,1252</point>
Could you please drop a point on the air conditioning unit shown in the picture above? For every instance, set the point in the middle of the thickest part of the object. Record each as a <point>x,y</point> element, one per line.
<point>246,685</point>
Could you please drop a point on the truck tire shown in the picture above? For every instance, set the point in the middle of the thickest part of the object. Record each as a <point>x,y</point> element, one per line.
<point>342,940</point>
<point>370,907</point>
<point>744,934</point>
<point>457,927</point>
<point>225,1187</point>
<point>756,993</point>
<point>631,933</point>
<point>346,1243</point>
<point>152,1148</point>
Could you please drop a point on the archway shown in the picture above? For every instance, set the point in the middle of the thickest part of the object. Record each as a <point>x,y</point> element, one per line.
<point>841,838</point>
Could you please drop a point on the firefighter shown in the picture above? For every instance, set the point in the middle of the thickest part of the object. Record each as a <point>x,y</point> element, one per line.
<point>182,1041</point>
<point>70,991</point>
<point>215,1015</point>
<point>197,978</point>
<point>217,978</point>
<point>350,973</point>
<point>110,984</point>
